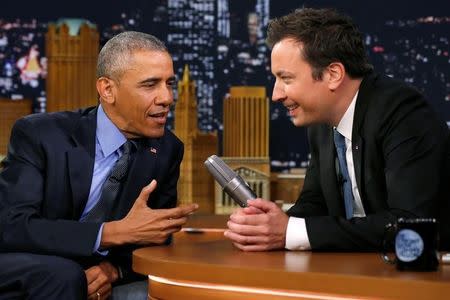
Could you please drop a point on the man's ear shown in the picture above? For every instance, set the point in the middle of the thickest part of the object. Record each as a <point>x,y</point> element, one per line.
<point>105,89</point>
<point>335,75</point>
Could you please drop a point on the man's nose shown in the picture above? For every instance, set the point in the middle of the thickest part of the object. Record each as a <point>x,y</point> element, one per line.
<point>278,93</point>
<point>165,97</point>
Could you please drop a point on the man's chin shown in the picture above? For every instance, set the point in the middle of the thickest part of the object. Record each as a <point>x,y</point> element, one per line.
<point>299,122</point>
<point>153,134</point>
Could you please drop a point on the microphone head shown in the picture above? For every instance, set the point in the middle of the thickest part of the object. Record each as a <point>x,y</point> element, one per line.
<point>231,183</point>
<point>219,170</point>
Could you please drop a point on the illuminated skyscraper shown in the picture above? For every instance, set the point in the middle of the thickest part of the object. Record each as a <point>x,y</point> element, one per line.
<point>191,40</point>
<point>246,142</point>
<point>223,19</point>
<point>72,50</point>
<point>195,184</point>
<point>262,9</point>
<point>196,32</point>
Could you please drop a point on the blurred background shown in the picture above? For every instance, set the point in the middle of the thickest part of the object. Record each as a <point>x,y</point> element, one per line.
<point>223,44</point>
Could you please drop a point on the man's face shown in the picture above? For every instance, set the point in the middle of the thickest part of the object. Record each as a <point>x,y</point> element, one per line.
<point>143,94</point>
<point>306,99</point>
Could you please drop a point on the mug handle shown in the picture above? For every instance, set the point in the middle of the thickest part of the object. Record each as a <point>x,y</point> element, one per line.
<point>386,247</point>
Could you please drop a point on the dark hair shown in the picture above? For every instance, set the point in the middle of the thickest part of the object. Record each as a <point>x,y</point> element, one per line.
<point>327,36</point>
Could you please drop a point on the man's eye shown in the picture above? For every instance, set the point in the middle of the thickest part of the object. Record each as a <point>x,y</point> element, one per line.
<point>149,84</point>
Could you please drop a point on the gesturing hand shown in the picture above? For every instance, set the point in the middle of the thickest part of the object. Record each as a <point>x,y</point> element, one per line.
<point>143,225</point>
<point>259,227</point>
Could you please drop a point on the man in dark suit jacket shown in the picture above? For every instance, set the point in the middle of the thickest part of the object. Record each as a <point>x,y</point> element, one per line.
<point>395,151</point>
<point>54,173</point>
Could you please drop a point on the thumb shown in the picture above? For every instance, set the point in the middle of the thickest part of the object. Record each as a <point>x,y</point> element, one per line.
<point>261,204</point>
<point>145,193</point>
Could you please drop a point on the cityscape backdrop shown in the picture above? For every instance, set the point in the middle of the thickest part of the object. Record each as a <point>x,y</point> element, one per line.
<point>223,42</point>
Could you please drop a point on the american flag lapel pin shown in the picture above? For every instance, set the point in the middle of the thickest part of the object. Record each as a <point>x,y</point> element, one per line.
<point>153,150</point>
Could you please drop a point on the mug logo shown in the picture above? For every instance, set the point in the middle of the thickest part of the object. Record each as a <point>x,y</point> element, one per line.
<point>408,245</point>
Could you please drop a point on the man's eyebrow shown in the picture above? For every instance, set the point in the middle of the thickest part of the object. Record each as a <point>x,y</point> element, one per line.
<point>150,80</point>
<point>283,72</point>
<point>155,80</point>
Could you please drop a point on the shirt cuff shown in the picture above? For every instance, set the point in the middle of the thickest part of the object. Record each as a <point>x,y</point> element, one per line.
<point>97,243</point>
<point>296,235</point>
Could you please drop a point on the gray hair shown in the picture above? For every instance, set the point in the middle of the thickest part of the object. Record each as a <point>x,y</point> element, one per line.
<point>115,54</point>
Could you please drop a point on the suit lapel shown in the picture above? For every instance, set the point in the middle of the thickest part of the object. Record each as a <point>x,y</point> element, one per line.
<point>142,171</point>
<point>329,179</point>
<point>81,161</point>
<point>362,104</point>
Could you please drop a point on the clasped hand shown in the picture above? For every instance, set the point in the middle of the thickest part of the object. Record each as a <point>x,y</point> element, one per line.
<point>99,280</point>
<point>259,227</point>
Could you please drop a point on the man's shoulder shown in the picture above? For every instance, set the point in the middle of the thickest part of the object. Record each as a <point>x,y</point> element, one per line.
<point>387,90</point>
<point>49,120</point>
<point>382,98</point>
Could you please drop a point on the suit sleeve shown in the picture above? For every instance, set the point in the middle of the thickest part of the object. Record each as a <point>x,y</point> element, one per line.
<point>311,201</point>
<point>411,143</point>
<point>23,227</point>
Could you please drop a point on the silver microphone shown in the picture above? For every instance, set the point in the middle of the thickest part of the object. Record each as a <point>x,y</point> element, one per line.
<point>231,183</point>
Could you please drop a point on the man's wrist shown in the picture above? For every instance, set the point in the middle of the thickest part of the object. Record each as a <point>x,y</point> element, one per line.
<point>113,235</point>
<point>297,235</point>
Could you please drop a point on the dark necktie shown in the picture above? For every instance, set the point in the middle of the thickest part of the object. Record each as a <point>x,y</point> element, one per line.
<point>339,142</point>
<point>103,210</point>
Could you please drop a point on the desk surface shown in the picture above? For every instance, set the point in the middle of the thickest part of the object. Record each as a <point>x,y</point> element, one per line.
<point>193,257</point>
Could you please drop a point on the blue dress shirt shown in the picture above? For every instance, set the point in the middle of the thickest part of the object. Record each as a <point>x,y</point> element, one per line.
<point>108,141</point>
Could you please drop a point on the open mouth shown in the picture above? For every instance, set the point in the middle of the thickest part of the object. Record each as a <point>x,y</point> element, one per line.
<point>159,117</point>
<point>291,107</point>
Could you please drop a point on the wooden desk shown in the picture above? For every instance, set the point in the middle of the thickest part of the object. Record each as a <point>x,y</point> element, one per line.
<point>205,266</point>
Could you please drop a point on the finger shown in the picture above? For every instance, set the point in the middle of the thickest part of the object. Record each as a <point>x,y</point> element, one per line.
<point>264,205</point>
<point>105,291</point>
<point>187,209</point>
<point>172,230</point>
<point>145,193</point>
<point>168,224</point>
<point>109,270</point>
<point>97,283</point>
<point>251,248</point>
<point>247,240</point>
<point>254,219</point>
<point>251,210</point>
<point>181,211</point>
<point>91,274</point>
<point>248,230</point>
<point>238,211</point>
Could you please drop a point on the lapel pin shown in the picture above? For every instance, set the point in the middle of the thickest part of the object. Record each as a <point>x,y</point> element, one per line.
<point>152,150</point>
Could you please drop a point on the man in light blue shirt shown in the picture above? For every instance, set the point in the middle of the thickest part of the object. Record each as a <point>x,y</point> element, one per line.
<point>81,190</point>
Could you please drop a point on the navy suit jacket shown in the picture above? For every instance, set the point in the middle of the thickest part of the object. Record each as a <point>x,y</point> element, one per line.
<point>47,175</point>
<point>401,160</point>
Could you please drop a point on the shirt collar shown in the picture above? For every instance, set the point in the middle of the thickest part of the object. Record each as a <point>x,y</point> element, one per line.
<point>345,126</point>
<point>109,136</point>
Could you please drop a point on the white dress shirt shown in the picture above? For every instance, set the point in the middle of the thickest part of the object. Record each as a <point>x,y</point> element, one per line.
<point>296,234</point>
